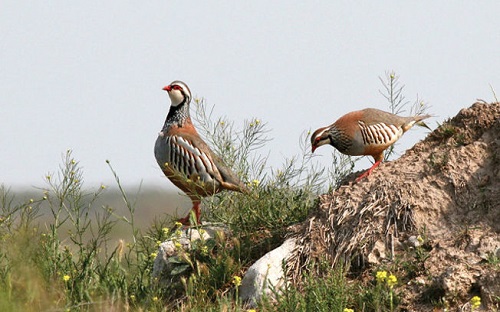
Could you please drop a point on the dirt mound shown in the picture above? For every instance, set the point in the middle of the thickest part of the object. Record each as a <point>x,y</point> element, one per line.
<point>434,212</point>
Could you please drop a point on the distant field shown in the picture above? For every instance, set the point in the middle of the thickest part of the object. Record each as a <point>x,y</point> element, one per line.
<point>150,204</point>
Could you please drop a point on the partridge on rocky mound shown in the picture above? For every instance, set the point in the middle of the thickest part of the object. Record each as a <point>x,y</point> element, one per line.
<point>186,159</point>
<point>365,132</point>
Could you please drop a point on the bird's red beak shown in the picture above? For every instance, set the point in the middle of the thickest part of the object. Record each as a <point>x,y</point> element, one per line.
<point>313,148</point>
<point>167,88</point>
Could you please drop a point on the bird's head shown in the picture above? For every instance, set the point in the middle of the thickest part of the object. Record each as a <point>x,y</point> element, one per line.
<point>320,137</point>
<point>178,92</point>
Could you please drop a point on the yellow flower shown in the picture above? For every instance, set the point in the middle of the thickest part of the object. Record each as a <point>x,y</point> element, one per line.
<point>255,182</point>
<point>132,297</point>
<point>348,310</point>
<point>153,255</point>
<point>381,276</point>
<point>251,310</point>
<point>257,121</point>
<point>165,231</point>
<point>420,239</point>
<point>177,245</point>
<point>236,280</point>
<point>66,278</point>
<point>155,299</point>
<point>178,224</point>
<point>103,186</point>
<point>204,250</point>
<point>475,302</point>
<point>392,280</point>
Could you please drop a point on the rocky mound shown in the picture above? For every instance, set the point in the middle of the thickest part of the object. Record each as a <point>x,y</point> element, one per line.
<point>435,209</point>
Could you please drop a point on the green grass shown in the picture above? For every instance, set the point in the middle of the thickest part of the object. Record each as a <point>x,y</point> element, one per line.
<point>59,250</point>
<point>69,259</point>
<point>68,262</point>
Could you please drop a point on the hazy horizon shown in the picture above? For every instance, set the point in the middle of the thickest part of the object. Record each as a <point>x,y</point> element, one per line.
<point>87,76</point>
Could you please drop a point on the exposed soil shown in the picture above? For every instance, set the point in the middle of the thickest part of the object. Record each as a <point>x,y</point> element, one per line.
<point>433,214</point>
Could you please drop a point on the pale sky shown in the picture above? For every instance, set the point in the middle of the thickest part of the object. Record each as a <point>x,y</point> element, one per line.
<point>87,75</point>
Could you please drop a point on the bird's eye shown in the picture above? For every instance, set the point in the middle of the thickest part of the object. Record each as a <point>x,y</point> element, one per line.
<point>316,141</point>
<point>176,87</point>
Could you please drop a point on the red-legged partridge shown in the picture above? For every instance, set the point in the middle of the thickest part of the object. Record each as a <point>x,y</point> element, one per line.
<point>365,132</point>
<point>186,159</point>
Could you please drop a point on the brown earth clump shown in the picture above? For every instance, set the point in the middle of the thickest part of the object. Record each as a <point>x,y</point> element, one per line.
<point>433,215</point>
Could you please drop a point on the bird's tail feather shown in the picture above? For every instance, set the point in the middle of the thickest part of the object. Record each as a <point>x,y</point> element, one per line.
<point>415,120</point>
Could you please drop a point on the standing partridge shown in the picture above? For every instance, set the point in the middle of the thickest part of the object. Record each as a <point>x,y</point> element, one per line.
<point>186,159</point>
<point>365,132</point>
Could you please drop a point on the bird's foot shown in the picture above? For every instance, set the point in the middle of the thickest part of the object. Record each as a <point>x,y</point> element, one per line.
<point>184,221</point>
<point>368,172</point>
<point>363,175</point>
<point>190,220</point>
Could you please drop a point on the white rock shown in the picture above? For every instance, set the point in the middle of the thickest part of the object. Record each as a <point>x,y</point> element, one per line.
<point>413,241</point>
<point>162,266</point>
<point>266,275</point>
<point>378,253</point>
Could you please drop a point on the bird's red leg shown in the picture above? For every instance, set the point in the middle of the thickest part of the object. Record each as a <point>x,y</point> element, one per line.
<point>197,212</point>
<point>185,220</point>
<point>369,171</point>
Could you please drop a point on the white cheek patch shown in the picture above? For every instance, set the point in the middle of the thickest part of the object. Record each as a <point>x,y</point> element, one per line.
<point>176,97</point>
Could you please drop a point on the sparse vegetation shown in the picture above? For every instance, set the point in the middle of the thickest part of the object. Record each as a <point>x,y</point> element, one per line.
<point>68,261</point>
<point>445,131</point>
<point>393,93</point>
<point>437,161</point>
